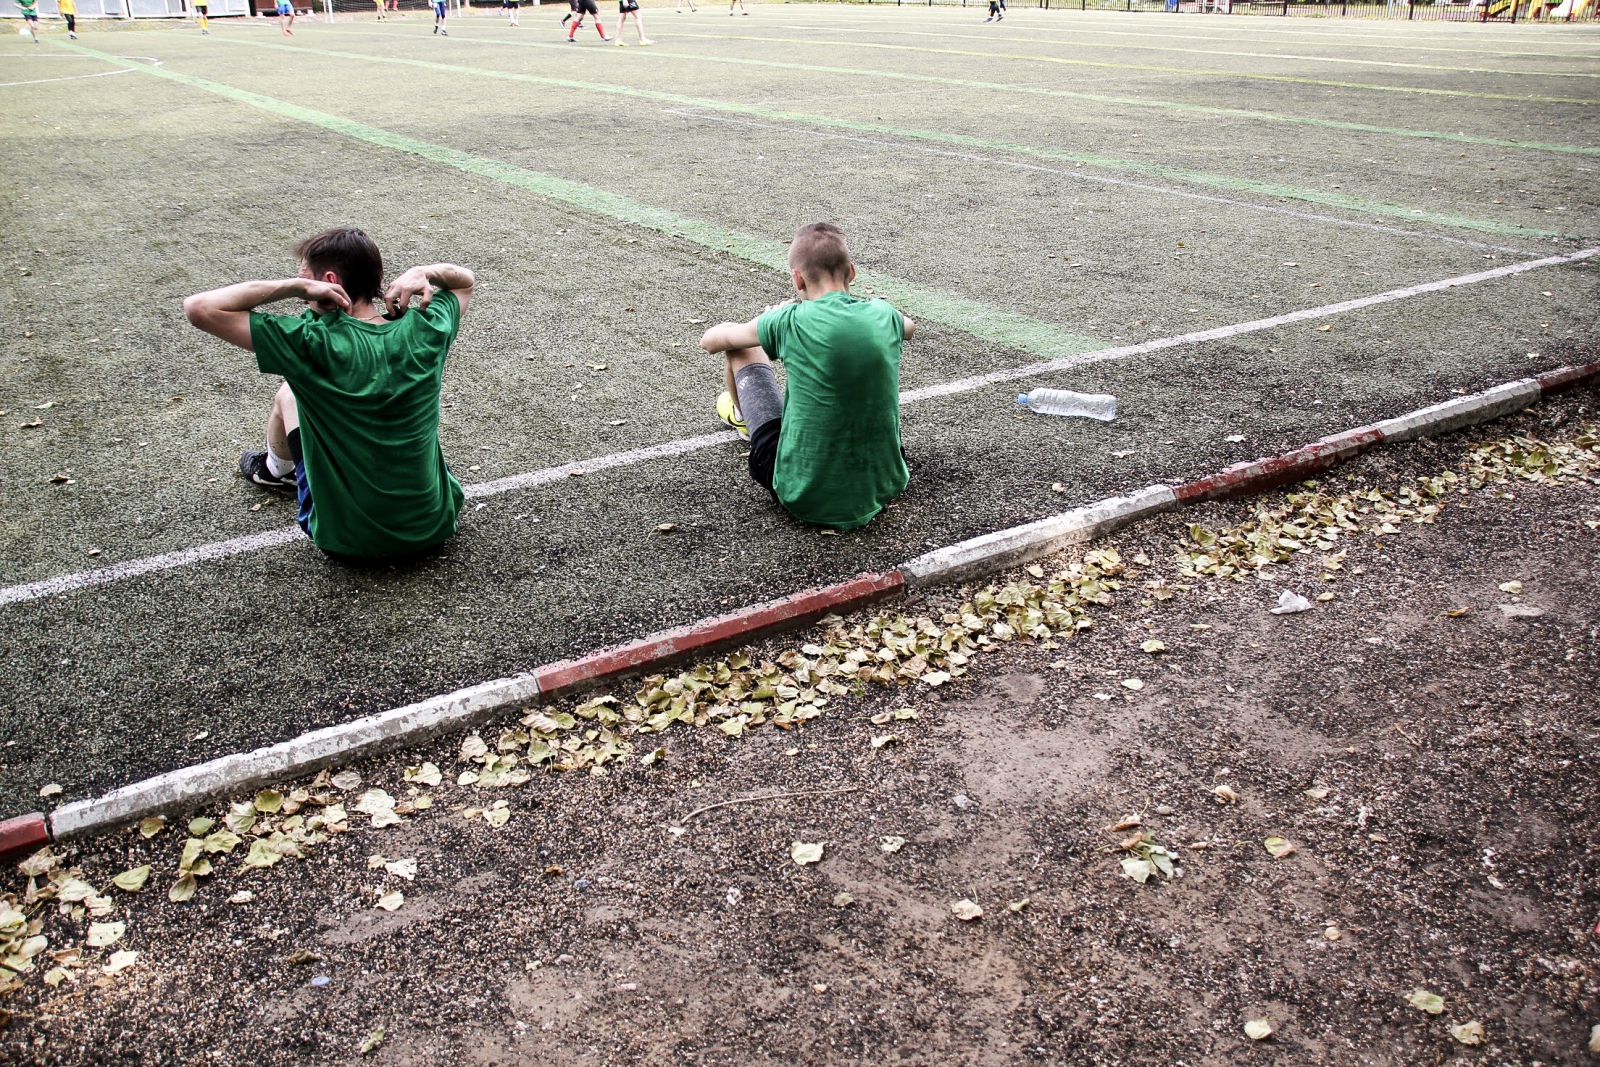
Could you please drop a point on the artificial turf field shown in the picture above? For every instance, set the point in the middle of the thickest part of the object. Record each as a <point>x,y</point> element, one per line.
<point>1062,186</point>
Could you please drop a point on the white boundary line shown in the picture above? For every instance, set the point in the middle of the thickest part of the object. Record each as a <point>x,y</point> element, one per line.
<point>1103,179</point>
<point>66,583</point>
<point>76,77</point>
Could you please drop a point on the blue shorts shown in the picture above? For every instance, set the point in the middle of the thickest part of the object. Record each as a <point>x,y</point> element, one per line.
<point>441,9</point>
<point>285,8</point>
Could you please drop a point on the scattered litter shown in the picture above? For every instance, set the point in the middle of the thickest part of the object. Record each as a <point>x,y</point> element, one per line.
<point>962,801</point>
<point>1289,603</point>
<point>891,843</point>
<point>1471,1033</point>
<point>1259,1029</point>
<point>843,900</point>
<point>1234,438</point>
<point>1100,406</point>
<point>319,981</point>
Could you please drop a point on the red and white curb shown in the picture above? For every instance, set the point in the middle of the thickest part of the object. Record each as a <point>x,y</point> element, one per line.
<point>183,789</point>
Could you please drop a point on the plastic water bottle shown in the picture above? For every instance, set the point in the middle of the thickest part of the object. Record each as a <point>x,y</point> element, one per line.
<point>1102,406</point>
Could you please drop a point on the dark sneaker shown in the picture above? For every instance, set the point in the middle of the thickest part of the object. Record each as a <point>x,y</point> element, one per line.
<point>253,465</point>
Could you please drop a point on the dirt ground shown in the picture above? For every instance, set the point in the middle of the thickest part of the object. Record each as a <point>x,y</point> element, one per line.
<point>1433,769</point>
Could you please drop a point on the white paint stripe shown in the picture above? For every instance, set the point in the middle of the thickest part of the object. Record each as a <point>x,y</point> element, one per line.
<point>69,77</point>
<point>134,567</point>
<point>963,385</point>
<point>221,549</point>
<point>903,145</point>
<point>600,463</point>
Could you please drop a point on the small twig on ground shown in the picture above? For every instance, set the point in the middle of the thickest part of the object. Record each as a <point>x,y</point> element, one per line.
<point>768,796</point>
<point>1408,737</point>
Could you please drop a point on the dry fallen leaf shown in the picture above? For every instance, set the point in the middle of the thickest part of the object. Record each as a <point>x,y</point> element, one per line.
<point>1512,587</point>
<point>103,934</point>
<point>120,961</point>
<point>1259,1029</point>
<point>891,843</point>
<point>843,900</point>
<point>1152,646</point>
<point>1225,794</point>
<point>1278,847</point>
<point>1135,684</point>
<point>1422,1000</point>
<point>391,900</point>
<point>50,790</point>
<point>132,881</point>
<point>152,826</point>
<point>803,852</point>
<point>1018,905</point>
<point>966,910</point>
<point>1318,792</point>
<point>1127,822</point>
<point>1469,1033</point>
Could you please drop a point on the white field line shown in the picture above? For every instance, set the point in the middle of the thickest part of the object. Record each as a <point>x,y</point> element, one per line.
<point>237,546</point>
<point>904,145</point>
<point>75,77</point>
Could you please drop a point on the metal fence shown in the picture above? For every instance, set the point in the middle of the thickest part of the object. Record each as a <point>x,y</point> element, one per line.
<point>131,9</point>
<point>1407,10</point>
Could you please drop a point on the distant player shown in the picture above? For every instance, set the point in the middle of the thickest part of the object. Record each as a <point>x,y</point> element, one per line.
<point>69,11</point>
<point>511,7</point>
<point>200,10</point>
<point>573,5</point>
<point>580,8</point>
<point>441,12</point>
<point>997,10</point>
<point>626,8</point>
<point>354,429</point>
<point>739,4</point>
<point>680,7</point>
<point>30,16</point>
<point>382,17</point>
<point>286,17</point>
<point>829,451</point>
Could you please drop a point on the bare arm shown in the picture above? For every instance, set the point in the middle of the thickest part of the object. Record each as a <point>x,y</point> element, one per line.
<point>423,282</point>
<point>225,312</point>
<point>911,327</point>
<point>727,336</point>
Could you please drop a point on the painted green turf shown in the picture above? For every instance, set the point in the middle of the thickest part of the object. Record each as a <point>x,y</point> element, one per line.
<point>1186,175</point>
<point>1191,71</point>
<point>1103,98</point>
<point>970,316</point>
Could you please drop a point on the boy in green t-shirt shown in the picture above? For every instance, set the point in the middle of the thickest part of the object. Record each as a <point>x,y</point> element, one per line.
<point>354,430</point>
<point>29,10</point>
<point>830,450</point>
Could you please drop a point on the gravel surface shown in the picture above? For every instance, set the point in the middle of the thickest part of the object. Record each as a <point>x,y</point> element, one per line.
<point>1432,767</point>
<point>132,191</point>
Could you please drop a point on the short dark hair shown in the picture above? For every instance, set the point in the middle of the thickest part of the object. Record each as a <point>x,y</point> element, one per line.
<point>350,254</point>
<point>818,251</point>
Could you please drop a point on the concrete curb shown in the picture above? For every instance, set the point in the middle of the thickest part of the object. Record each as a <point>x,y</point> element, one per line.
<point>185,789</point>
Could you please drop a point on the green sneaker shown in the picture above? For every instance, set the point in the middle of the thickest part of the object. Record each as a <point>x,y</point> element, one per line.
<point>728,413</point>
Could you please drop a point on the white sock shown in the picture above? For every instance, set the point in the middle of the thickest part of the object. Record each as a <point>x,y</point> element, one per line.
<point>277,466</point>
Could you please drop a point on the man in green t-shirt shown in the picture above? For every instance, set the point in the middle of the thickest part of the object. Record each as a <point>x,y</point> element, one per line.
<point>830,450</point>
<point>354,430</point>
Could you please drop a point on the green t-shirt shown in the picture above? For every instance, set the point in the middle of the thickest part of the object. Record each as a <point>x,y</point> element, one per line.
<point>368,397</point>
<point>839,459</point>
<point>27,7</point>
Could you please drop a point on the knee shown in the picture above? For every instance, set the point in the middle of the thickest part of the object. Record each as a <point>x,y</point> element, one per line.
<point>740,358</point>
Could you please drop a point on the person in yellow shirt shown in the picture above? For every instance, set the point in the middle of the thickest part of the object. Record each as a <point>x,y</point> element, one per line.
<point>69,11</point>
<point>200,13</point>
<point>381,16</point>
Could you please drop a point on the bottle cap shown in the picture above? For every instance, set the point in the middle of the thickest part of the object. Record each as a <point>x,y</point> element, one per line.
<point>1022,398</point>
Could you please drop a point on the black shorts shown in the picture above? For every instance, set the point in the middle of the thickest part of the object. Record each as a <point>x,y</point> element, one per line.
<point>764,453</point>
<point>625,6</point>
<point>585,7</point>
